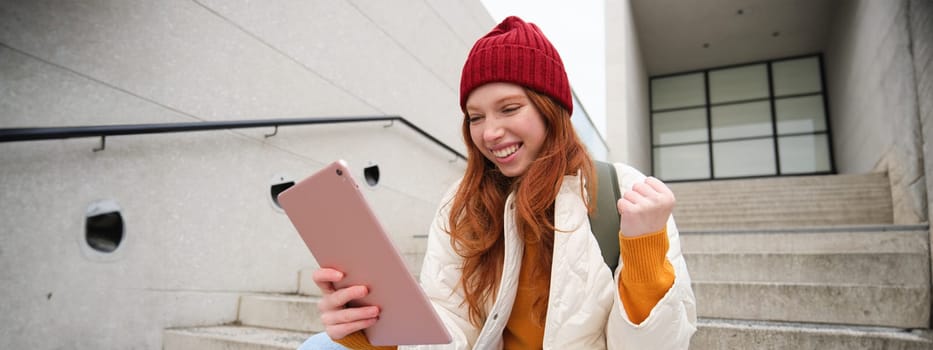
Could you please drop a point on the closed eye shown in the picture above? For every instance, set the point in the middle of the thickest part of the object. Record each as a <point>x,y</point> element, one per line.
<point>509,109</point>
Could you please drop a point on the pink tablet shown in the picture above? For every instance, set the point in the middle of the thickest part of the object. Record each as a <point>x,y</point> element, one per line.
<point>338,226</point>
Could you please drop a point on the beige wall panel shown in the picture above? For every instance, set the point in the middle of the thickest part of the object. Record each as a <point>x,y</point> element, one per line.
<point>627,110</point>
<point>873,101</point>
<point>201,228</point>
<point>177,54</point>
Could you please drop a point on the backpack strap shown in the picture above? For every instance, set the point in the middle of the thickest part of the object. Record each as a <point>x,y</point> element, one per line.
<point>604,221</point>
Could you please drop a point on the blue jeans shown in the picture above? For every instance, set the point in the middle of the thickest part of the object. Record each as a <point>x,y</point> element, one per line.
<point>320,341</point>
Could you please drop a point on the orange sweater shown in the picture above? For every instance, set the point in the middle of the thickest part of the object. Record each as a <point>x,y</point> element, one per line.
<point>645,278</point>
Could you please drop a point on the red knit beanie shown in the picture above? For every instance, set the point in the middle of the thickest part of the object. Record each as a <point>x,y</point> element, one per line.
<point>516,52</point>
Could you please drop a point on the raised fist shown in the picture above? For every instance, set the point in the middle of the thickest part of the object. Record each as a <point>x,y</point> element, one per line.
<point>645,208</point>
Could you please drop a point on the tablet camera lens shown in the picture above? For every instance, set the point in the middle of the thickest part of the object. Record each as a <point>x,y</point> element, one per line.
<point>339,172</point>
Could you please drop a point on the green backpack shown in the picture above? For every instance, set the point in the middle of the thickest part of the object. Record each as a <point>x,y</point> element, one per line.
<point>604,221</point>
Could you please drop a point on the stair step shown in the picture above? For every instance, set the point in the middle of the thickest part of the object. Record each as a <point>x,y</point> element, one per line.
<point>780,191</point>
<point>810,240</point>
<point>288,312</point>
<point>765,196</point>
<point>844,181</point>
<point>231,338</point>
<point>779,206</point>
<point>738,217</point>
<point>828,268</point>
<point>765,221</point>
<point>306,285</point>
<point>784,202</point>
<point>740,334</point>
<point>892,306</point>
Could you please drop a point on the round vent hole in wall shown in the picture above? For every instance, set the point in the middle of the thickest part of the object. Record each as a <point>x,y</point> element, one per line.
<point>280,183</point>
<point>371,174</point>
<point>103,226</point>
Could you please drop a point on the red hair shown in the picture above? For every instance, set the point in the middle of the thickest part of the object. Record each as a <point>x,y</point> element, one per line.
<point>476,219</point>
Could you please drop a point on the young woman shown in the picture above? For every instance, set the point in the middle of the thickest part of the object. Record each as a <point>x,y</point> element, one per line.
<point>511,262</point>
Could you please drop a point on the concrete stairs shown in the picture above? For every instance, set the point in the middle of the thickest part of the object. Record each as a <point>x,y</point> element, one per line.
<point>272,321</point>
<point>231,337</point>
<point>741,334</point>
<point>265,322</point>
<point>825,269</point>
<point>804,201</point>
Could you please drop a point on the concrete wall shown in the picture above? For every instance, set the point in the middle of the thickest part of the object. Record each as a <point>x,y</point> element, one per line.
<point>627,111</point>
<point>873,100</point>
<point>200,225</point>
<point>920,19</point>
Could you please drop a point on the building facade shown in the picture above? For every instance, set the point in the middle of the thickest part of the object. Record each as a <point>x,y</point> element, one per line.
<point>198,224</point>
<point>720,90</point>
<point>739,89</point>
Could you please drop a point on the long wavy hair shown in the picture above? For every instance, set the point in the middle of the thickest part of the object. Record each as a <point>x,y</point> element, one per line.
<point>476,220</point>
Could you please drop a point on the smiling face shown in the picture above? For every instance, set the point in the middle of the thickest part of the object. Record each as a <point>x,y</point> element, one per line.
<point>505,126</point>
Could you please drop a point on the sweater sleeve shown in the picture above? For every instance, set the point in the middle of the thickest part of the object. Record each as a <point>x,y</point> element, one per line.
<point>646,273</point>
<point>357,341</point>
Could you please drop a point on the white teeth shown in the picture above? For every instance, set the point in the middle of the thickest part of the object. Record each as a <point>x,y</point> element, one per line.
<point>505,152</point>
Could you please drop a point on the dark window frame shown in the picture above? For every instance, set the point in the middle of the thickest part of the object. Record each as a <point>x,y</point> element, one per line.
<point>771,99</point>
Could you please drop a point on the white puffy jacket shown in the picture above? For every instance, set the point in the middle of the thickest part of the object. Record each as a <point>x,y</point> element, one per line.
<point>584,311</point>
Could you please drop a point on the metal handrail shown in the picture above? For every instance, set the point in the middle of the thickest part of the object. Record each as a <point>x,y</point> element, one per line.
<point>102,131</point>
